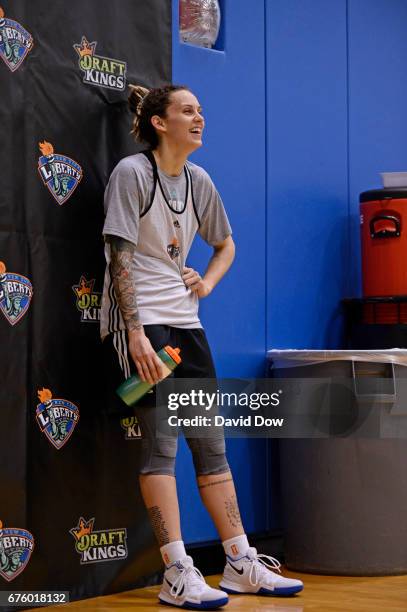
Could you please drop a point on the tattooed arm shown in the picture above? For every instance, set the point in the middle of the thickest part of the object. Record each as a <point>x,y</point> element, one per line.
<point>123,277</point>
<point>122,271</point>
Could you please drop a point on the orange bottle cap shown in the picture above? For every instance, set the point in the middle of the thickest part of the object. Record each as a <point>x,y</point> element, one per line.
<point>173,353</point>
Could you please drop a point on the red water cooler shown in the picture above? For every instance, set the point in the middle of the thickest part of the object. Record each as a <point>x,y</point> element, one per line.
<point>383,215</point>
<point>379,319</point>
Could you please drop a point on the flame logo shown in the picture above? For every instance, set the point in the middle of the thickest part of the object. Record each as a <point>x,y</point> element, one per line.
<point>44,395</point>
<point>2,271</point>
<point>84,287</point>
<point>85,48</point>
<point>46,148</point>
<point>1,16</point>
<point>1,524</point>
<point>85,528</point>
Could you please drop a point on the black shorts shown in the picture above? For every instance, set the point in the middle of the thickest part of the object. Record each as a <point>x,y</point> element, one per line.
<point>195,354</point>
<point>159,441</point>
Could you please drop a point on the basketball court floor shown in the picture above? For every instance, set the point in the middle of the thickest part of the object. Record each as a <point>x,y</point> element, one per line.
<point>321,594</point>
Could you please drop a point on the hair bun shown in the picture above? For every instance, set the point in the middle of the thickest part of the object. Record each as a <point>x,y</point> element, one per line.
<point>136,97</point>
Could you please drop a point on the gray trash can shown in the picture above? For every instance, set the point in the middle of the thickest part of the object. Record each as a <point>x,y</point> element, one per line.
<point>345,498</point>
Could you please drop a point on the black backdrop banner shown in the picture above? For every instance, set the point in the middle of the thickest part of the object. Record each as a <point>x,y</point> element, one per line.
<point>70,510</point>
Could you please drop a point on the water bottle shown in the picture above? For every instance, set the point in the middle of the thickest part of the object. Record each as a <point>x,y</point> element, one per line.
<point>132,389</point>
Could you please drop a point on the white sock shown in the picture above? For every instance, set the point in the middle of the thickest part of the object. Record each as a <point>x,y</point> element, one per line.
<point>174,551</point>
<point>236,547</point>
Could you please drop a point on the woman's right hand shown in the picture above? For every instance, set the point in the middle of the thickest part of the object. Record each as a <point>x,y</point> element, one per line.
<point>149,366</point>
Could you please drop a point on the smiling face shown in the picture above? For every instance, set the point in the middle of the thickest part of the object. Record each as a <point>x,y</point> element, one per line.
<point>183,123</point>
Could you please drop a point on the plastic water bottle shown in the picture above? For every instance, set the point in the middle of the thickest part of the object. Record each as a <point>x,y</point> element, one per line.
<point>132,389</point>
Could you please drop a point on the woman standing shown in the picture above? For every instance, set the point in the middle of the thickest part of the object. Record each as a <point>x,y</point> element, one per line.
<point>155,203</point>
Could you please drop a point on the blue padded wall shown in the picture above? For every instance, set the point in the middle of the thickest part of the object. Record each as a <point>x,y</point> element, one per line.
<point>377,107</point>
<point>308,244</point>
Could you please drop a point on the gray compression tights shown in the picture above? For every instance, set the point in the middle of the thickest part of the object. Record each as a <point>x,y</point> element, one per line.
<point>159,448</point>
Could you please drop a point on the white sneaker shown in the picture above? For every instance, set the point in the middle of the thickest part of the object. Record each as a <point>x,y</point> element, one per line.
<point>252,574</point>
<point>185,587</point>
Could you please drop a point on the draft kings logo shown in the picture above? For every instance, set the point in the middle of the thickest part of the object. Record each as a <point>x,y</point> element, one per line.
<point>16,546</point>
<point>15,42</point>
<point>131,427</point>
<point>99,70</point>
<point>88,301</point>
<point>98,546</point>
<point>15,294</point>
<point>57,418</point>
<point>59,173</point>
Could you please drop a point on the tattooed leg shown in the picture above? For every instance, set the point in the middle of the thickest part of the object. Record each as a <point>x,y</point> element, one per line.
<point>158,524</point>
<point>161,500</point>
<point>219,496</point>
<point>232,511</point>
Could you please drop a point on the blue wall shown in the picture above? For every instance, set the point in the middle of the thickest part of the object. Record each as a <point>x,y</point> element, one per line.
<point>307,212</point>
<point>336,117</point>
<point>305,106</point>
<point>377,102</point>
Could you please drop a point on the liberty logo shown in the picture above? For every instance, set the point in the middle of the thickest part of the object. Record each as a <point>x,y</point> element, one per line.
<point>174,202</point>
<point>99,546</point>
<point>15,42</point>
<point>131,427</point>
<point>15,295</point>
<point>99,70</point>
<point>16,546</point>
<point>57,418</point>
<point>88,301</point>
<point>173,249</point>
<point>59,173</point>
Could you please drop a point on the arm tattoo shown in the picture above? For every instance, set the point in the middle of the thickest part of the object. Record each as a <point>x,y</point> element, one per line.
<point>158,525</point>
<point>232,511</point>
<point>122,273</point>
<point>216,482</point>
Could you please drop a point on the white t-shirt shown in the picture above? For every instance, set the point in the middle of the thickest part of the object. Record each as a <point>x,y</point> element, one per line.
<point>160,215</point>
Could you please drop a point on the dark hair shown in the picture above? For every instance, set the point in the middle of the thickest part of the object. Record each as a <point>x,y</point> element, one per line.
<point>145,103</point>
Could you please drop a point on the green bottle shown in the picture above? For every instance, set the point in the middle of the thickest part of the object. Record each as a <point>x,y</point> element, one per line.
<point>132,389</point>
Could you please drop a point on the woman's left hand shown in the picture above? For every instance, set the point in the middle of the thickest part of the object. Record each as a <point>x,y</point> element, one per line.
<point>193,281</point>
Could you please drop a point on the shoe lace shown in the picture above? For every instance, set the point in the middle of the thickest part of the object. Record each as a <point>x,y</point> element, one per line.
<point>187,575</point>
<point>258,564</point>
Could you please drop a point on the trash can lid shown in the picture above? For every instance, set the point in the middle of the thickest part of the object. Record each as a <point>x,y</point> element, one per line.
<point>290,358</point>
<point>383,194</point>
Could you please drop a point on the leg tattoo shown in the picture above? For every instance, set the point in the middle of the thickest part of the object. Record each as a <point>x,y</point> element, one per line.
<point>158,525</point>
<point>232,511</point>
<point>216,482</point>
